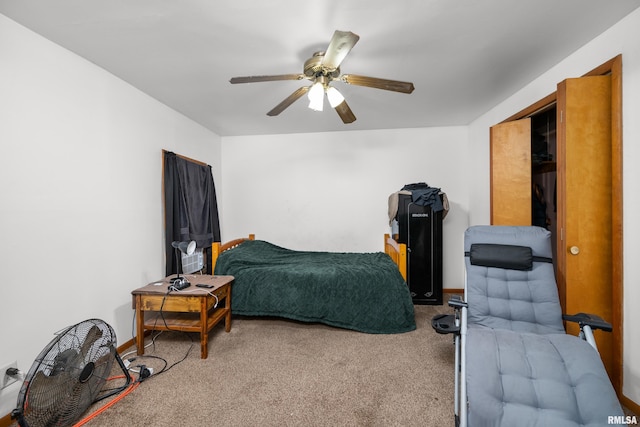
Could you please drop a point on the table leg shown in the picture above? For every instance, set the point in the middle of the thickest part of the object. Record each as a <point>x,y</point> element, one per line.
<point>139,325</point>
<point>227,306</point>
<point>204,328</point>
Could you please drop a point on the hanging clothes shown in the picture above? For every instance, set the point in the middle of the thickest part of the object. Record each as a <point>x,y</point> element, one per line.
<point>421,194</point>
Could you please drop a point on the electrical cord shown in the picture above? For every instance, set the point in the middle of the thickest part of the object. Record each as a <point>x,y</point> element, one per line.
<point>164,299</point>
<point>160,315</point>
<point>143,374</point>
<point>133,337</point>
<point>143,371</point>
<point>112,402</point>
<point>168,328</point>
<point>128,362</point>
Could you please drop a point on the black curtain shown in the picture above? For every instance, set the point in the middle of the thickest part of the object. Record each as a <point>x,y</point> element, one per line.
<point>191,209</point>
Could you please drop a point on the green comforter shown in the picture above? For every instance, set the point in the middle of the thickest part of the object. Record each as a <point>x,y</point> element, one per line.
<point>360,291</point>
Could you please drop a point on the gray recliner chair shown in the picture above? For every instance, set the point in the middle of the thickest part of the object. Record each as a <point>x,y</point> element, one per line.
<point>515,365</point>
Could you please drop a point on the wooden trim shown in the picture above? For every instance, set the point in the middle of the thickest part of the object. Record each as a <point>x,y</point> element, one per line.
<point>453,290</point>
<point>614,68</point>
<point>533,108</point>
<point>124,346</point>
<point>6,421</point>
<point>198,162</point>
<point>617,277</point>
<point>550,99</point>
<point>627,403</point>
<point>607,67</point>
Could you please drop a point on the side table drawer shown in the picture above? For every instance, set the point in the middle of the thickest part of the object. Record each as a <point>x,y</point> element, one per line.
<point>220,293</point>
<point>190,304</point>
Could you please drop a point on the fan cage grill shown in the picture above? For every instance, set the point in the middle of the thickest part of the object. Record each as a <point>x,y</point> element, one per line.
<point>52,393</point>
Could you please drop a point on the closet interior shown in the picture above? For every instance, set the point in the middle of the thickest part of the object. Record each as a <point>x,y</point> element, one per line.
<point>543,170</point>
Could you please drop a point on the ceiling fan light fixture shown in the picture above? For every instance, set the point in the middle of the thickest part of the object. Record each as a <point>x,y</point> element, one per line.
<point>316,96</point>
<point>334,96</point>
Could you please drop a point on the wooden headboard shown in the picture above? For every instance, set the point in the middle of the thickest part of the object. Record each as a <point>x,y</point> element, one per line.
<point>217,248</point>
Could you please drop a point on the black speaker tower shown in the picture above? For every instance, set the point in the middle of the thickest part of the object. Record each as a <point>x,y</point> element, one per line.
<point>420,228</point>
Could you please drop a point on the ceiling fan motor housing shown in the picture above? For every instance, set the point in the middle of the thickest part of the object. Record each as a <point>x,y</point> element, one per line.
<point>313,67</point>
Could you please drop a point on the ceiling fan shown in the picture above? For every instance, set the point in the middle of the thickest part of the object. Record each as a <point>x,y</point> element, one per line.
<point>323,68</point>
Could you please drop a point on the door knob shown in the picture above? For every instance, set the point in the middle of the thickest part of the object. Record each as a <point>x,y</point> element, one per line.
<point>574,250</point>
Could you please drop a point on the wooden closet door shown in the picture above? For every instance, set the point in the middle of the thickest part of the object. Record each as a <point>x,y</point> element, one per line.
<point>511,173</point>
<point>584,246</point>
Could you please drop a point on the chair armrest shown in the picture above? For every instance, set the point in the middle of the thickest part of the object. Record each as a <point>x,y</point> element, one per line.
<point>595,321</point>
<point>449,323</point>
<point>457,302</point>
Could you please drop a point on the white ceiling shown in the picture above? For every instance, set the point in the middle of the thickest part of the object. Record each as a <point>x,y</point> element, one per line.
<point>463,56</point>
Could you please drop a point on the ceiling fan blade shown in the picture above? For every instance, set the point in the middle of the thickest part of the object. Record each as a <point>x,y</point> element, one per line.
<point>394,85</point>
<point>288,101</point>
<point>340,45</point>
<point>345,113</point>
<point>255,79</point>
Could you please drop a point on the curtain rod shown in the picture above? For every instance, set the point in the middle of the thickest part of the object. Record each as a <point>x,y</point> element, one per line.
<point>185,158</point>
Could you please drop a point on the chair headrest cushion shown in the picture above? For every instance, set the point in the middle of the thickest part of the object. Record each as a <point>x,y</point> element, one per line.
<point>510,257</point>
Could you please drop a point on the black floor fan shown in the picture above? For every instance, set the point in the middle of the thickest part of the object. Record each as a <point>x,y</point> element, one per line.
<point>69,375</point>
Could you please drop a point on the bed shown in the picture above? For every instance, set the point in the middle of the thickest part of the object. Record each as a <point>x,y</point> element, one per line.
<point>365,292</point>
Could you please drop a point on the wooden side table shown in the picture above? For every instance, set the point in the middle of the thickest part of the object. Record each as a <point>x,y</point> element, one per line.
<point>193,309</point>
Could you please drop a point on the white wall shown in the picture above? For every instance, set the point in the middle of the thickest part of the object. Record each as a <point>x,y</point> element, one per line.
<point>329,191</point>
<point>81,211</point>
<point>623,38</point>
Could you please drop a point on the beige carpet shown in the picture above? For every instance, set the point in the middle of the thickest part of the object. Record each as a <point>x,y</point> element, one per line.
<point>273,372</point>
